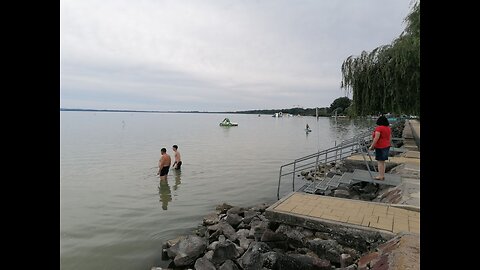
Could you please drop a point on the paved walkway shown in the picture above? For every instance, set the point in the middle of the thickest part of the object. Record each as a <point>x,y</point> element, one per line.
<point>358,213</point>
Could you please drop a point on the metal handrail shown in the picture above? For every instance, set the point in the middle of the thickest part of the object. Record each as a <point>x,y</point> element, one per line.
<point>357,144</point>
<point>339,152</point>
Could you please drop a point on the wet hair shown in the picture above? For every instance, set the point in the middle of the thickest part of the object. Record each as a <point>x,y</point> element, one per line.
<point>383,121</point>
<point>175,146</point>
<point>163,150</point>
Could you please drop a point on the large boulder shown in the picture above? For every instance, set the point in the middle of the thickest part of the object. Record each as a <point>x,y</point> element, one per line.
<point>233,219</point>
<point>248,215</point>
<point>186,251</point>
<point>252,258</point>
<point>224,251</point>
<point>204,264</point>
<point>274,240</point>
<point>327,249</point>
<point>224,228</point>
<point>210,219</point>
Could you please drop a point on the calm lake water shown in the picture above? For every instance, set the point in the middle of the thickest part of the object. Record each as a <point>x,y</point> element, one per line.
<point>115,213</point>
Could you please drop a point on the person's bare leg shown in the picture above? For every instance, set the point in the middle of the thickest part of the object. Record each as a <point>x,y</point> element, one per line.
<point>381,170</point>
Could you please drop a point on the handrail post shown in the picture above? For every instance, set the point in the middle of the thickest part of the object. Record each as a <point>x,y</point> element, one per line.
<point>279,177</point>
<point>293,175</point>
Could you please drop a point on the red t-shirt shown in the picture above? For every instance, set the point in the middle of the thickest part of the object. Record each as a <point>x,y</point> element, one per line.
<point>384,140</point>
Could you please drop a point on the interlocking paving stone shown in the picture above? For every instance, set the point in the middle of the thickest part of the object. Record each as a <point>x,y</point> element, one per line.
<point>358,213</point>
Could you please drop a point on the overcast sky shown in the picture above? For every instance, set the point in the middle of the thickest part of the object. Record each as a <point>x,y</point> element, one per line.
<point>221,55</point>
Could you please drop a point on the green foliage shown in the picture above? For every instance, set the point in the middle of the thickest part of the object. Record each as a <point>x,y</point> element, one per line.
<point>342,103</point>
<point>388,78</point>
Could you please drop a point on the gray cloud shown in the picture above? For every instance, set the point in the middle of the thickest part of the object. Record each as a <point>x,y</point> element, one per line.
<point>215,55</point>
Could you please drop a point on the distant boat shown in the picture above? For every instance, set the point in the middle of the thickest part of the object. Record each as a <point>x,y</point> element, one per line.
<point>226,123</point>
<point>278,114</point>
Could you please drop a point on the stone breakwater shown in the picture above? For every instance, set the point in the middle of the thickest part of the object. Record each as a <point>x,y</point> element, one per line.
<point>243,238</point>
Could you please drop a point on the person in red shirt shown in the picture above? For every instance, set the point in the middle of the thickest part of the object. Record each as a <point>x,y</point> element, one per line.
<point>381,144</point>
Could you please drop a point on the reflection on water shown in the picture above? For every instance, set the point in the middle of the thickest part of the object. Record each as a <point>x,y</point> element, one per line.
<point>165,193</point>
<point>178,180</point>
<point>164,189</point>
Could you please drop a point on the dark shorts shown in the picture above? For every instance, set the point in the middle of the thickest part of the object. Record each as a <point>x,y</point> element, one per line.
<point>382,153</point>
<point>179,164</point>
<point>164,170</point>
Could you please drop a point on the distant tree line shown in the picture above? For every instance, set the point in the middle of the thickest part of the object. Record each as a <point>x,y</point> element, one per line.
<point>388,78</point>
<point>341,105</point>
<point>294,111</point>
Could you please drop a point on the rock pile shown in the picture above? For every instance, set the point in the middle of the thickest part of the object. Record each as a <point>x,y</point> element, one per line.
<point>243,238</point>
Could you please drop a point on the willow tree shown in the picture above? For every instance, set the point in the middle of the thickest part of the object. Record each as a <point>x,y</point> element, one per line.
<point>388,78</point>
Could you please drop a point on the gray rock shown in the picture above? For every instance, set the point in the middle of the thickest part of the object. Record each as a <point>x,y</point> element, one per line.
<point>186,251</point>
<point>243,233</point>
<point>201,231</point>
<point>221,238</point>
<point>172,242</point>
<point>270,236</point>
<point>326,249</point>
<point>242,225</point>
<point>279,261</point>
<point>283,228</point>
<point>345,260</point>
<point>224,251</point>
<point>302,250</point>
<point>209,255</point>
<point>213,228</point>
<point>233,219</point>
<point>352,252</point>
<point>210,219</point>
<point>213,245</point>
<point>223,208</point>
<point>252,258</point>
<point>204,264</point>
<point>256,232</point>
<point>228,265</point>
<point>255,222</point>
<point>240,250</point>
<point>244,242</point>
<point>227,230</point>
<point>248,215</point>
<point>260,207</point>
<point>370,188</point>
<point>306,232</point>
<point>234,210</point>
<point>311,262</point>
<point>295,238</point>
<point>341,193</point>
<point>322,235</point>
<point>367,196</point>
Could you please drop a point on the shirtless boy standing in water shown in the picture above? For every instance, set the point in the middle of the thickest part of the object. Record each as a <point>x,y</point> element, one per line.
<point>164,164</point>
<point>178,161</point>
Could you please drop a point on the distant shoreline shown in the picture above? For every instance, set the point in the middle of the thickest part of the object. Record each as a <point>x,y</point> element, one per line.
<point>142,111</point>
<point>293,111</point>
